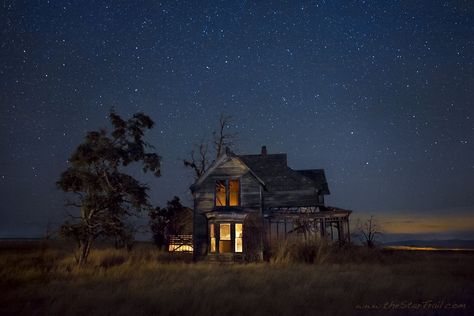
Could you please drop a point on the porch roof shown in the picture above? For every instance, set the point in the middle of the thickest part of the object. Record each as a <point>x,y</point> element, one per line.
<point>326,212</point>
<point>227,215</point>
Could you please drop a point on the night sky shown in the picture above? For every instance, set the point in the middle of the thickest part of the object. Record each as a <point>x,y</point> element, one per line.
<point>378,93</point>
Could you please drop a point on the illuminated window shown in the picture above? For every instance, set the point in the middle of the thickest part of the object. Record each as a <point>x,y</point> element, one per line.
<point>212,234</point>
<point>227,192</point>
<point>220,193</point>
<point>225,231</point>
<point>225,243</point>
<point>238,237</point>
<point>233,192</point>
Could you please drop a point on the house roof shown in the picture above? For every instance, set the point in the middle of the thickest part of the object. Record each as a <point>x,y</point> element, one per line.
<point>319,178</point>
<point>274,171</point>
<point>223,158</point>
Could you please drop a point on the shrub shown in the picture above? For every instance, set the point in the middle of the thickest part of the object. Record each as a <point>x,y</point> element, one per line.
<point>298,250</point>
<point>112,260</point>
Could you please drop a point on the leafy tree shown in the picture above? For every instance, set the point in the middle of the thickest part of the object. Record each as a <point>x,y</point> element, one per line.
<point>174,219</point>
<point>104,193</point>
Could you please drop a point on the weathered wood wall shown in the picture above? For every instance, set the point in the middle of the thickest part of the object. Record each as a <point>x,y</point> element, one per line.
<point>204,200</point>
<point>254,198</point>
<point>290,198</point>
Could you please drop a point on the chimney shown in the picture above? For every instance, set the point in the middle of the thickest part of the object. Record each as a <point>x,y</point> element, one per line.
<point>264,151</point>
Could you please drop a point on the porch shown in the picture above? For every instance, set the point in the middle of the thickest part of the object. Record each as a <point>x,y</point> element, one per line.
<point>307,222</point>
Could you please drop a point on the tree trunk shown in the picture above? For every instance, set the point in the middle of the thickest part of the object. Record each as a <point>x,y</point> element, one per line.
<point>84,250</point>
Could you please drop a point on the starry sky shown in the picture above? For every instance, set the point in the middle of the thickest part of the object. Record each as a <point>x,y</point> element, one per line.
<point>378,93</point>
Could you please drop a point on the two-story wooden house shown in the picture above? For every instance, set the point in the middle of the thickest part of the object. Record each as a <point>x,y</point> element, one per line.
<point>244,204</point>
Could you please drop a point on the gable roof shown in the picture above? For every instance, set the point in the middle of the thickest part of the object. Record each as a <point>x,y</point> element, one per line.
<point>226,156</point>
<point>274,171</point>
<point>319,178</point>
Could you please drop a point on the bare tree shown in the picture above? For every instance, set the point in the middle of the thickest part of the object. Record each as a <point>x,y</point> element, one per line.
<point>221,137</point>
<point>199,161</point>
<point>200,158</point>
<point>369,232</point>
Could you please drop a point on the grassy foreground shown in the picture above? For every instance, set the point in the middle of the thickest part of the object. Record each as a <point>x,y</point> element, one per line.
<point>40,279</point>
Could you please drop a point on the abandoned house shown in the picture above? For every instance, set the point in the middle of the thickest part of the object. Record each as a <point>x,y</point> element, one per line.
<point>245,204</point>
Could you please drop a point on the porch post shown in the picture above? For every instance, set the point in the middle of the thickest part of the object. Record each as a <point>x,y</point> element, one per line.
<point>348,230</point>
<point>340,232</point>
<point>278,230</point>
<point>323,227</point>
<point>269,231</point>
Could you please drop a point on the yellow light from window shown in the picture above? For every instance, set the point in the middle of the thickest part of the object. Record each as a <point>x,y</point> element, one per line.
<point>213,238</point>
<point>225,243</point>
<point>234,192</point>
<point>238,237</point>
<point>224,231</point>
<point>220,193</point>
<point>176,248</point>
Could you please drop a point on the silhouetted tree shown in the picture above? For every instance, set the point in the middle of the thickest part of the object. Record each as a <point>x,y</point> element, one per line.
<point>174,219</point>
<point>368,232</point>
<point>221,137</point>
<point>198,162</point>
<point>105,195</point>
<point>201,157</point>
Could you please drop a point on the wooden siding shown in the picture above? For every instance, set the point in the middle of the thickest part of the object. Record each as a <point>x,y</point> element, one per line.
<point>250,199</point>
<point>290,198</point>
<point>250,192</point>
<point>253,200</point>
<point>249,186</point>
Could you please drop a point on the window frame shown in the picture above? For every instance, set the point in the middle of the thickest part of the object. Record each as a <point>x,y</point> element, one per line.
<point>241,237</point>
<point>213,247</point>
<point>227,192</point>
<point>228,241</point>
<point>231,240</point>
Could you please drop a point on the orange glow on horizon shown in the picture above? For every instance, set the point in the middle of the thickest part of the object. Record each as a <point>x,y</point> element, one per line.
<point>426,248</point>
<point>419,224</point>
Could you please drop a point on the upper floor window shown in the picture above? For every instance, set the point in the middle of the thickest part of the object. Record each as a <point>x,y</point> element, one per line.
<point>227,192</point>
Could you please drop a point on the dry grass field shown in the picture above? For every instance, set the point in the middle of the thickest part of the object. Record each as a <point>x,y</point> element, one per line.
<point>41,279</point>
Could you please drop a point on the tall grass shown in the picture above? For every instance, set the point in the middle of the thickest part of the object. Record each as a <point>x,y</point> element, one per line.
<point>297,250</point>
<point>149,282</point>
